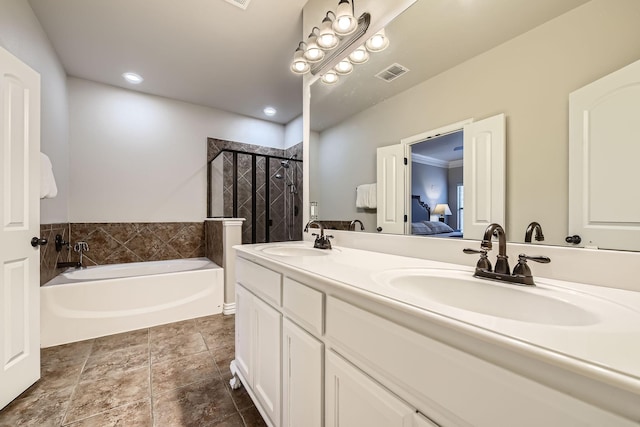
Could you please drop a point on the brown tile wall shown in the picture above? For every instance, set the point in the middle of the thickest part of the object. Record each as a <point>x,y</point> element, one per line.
<point>214,245</point>
<point>48,255</point>
<point>115,243</point>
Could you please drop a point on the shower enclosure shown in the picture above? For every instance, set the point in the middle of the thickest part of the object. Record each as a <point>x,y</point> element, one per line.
<point>261,185</point>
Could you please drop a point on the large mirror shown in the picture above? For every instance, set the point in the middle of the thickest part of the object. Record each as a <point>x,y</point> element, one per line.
<point>472,59</point>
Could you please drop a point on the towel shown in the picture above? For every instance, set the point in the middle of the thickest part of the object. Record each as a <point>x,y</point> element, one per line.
<point>366,196</point>
<point>48,187</point>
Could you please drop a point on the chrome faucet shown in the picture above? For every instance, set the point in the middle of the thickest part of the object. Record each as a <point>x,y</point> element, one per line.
<point>521,273</point>
<point>352,226</point>
<point>81,247</point>
<point>322,241</point>
<point>534,226</point>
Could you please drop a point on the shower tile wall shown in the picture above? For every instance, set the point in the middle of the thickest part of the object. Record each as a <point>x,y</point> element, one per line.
<point>279,229</point>
<point>115,243</point>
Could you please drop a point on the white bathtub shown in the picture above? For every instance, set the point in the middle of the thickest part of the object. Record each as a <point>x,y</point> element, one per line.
<point>103,300</point>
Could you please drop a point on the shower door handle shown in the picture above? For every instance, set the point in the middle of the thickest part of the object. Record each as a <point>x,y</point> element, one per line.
<point>36,241</point>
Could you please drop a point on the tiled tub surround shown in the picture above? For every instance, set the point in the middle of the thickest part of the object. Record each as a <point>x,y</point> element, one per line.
<point>171,375</point>
<point>279,195</point>
<point>117,243</point>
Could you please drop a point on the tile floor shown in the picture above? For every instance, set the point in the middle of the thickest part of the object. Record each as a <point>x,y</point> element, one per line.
<point>167,376</point>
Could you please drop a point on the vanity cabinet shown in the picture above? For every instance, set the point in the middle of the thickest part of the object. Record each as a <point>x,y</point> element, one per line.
<point>354,399</point>
<point>302,361</point>
<point>314,353</point>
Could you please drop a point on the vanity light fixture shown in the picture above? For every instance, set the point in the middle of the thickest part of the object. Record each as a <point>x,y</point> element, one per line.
<point>330,77</point>
<point>378,42</point>
<point>329,42</point>
<point>133,78</point>
<point>313,53</point>
<point>270,111</point>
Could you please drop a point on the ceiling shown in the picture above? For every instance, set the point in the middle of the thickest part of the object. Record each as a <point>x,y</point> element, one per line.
<point>206,52</point>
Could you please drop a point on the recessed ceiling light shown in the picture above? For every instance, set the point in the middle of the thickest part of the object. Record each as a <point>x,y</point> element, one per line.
<point>270,111</point>
<point>133,78</point>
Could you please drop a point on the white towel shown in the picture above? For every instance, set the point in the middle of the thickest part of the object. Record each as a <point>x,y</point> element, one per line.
<point>366,196</point>
<point>48,187</point>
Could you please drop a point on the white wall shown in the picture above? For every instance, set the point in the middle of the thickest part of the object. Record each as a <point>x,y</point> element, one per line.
<point>22,35</point>
<point>141,158</point>
<point>293,132</point>
<point>529,78</point>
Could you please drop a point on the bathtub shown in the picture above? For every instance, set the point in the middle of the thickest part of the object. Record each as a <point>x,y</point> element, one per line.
<point>109,299</point>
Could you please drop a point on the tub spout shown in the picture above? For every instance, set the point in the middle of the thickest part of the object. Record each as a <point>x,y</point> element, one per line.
<point>68,264</point>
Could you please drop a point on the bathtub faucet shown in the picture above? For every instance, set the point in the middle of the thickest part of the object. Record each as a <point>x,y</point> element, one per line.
<point>81,247</point>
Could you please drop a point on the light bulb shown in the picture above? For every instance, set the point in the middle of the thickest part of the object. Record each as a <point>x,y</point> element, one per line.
<point>359,56</point>
<point>330,77</point>
<point>344,67</point>
<point>378,42</point>
<point>327,38</point>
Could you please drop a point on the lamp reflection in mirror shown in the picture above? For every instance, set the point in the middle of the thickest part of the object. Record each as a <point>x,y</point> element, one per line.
<point>344,67</point>
<point>378,42</point>
<point>442,209</point>
<point>359,56</point>
<point>330,77</point>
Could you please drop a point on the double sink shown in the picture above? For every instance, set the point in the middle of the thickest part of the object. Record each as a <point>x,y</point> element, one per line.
<point>542,304</point>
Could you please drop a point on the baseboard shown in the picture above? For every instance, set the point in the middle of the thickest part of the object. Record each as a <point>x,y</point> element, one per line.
<point>229,308</point>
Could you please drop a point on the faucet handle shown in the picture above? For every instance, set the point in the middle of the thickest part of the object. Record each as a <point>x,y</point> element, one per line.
<point>522,269</point>
<point>483,262</point>
<point>540,259</point>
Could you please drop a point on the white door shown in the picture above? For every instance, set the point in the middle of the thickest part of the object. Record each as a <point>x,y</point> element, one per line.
<point>20,221</point>
<point>484,175</point>
<point>353,399</point>
<point>604,148</point>
<point>302,377</point>
<point>391,169</point>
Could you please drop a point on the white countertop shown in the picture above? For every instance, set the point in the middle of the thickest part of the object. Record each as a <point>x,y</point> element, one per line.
<point>607,348</point>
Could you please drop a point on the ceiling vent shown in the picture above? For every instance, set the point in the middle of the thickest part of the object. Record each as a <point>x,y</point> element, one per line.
<point>392,72</point>
<point>242,4</point>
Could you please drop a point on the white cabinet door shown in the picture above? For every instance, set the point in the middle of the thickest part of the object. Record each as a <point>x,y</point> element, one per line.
<point>19,222</point>
<point>302,377</point>
<point>267,360</point>
<point>484,175</point>
<point>355,400</point>
<point>244,336</point>
<point>604,148</point>
<point>390,190</point>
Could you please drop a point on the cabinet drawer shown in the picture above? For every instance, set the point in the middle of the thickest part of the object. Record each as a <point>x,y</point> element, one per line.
<point>303,304</point>
<point>259,280</point>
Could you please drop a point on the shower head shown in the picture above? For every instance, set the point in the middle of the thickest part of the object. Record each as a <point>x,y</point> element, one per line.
<point>285,164</point>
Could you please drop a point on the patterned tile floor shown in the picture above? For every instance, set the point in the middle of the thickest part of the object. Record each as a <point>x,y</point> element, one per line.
<point>166,376</point>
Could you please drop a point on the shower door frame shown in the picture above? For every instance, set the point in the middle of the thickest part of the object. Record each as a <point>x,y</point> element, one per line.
<point>267,172</point>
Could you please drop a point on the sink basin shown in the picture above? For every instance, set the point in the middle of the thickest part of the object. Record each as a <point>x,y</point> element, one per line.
<point>459,289</point>
<point>295,250</point>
